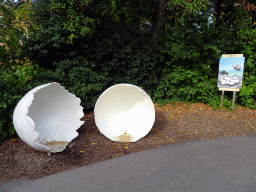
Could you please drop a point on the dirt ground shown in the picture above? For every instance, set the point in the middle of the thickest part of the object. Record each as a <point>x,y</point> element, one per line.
<point>172,125</point>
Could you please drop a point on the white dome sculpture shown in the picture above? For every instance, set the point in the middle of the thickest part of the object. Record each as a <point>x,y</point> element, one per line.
<point>47,118</point>
<point>124,113</point>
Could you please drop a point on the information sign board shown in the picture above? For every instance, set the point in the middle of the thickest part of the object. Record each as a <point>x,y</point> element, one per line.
<point>230,75</point>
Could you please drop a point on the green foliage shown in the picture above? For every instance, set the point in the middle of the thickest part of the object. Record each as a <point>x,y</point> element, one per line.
<point>49,34</point>
<point>10,46</point>
<point>98,46</point>
<point>215,103</point>
<point>190,57</point>
<point>83,16</point>
<point>116,53</point>
<point>7,106</point>
<point>247,94</point>
<point>191,54</point>
<point>16,70</point>
<point>13,87</point>
<point>133,12</point>
<point>57,32</point>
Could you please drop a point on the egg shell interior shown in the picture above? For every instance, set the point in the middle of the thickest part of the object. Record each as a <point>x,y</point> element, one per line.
<point>47,117</point>
<point>124,113</point>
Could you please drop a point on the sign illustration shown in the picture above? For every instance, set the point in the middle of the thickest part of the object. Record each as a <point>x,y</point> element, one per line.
<point>231,72</point>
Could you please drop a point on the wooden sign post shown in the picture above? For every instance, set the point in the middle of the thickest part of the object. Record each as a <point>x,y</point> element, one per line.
<point>230,80</point>
<point>234,95</point>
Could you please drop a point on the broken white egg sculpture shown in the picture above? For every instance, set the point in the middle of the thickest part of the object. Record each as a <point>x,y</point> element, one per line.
<point>124,113</point>
<point>47,118</point>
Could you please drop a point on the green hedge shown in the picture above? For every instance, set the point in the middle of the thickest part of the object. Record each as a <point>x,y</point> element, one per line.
<point>181,65</point>
<point>13,87</point>
<point>191,58</point>
<point>116,53</point>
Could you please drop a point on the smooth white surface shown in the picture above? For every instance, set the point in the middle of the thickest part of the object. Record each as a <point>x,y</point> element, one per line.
<point>124,113</point>
<point>48,113</point>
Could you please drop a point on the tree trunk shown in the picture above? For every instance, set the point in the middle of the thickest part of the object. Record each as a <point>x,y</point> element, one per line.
<point>217,11</point>
<point>160,18</point>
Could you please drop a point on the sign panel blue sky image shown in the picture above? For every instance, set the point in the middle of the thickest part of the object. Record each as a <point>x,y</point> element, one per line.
<point>233,65</point>
<point>231,72</point>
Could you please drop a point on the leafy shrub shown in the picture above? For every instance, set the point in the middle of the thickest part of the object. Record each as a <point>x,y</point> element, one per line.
<point>182,65</point>
<point>190,55</point>
<point>116,53</point>
<point>57,32</point>
<point>13,87</point>
<point>246,40</point>
<point>16,69</point>
<point>191,62</point>
<point>248,94</point>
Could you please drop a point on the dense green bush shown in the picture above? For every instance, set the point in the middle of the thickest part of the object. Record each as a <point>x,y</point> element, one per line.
<point>191,57</point>
<point>61,24</point>
<point>16,70</point>
<point>181,65</point>
<point>116,53</point>
<point>13,86</point>
<point>247,40</point>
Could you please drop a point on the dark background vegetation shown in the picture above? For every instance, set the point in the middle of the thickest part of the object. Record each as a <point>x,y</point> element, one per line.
<point>167,47</point>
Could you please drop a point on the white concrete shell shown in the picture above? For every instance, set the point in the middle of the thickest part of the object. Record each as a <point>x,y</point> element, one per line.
<point>124,113</point>
<point>47,117</point>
